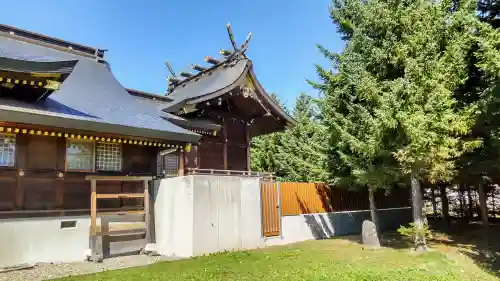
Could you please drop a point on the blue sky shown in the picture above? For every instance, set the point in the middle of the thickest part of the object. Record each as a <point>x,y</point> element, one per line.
<point>141,35</point>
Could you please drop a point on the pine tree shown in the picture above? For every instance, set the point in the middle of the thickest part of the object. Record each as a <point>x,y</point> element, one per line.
<point>301,154</point>
<point>391,99</point>
<point>296,154</point>
<point>358,154</point>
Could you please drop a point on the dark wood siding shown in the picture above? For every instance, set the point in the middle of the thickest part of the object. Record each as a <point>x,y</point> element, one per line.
<point>42,153</point>
<point>237,159</point>
<point>139,159</point>
<point>235,132</point>
<point>211,150</point>
<point>7,190</point>
<point>211,155</point>
<point>44,183</point>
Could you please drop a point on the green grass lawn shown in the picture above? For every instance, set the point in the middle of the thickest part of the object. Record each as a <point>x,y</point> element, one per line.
<point>335,259</point>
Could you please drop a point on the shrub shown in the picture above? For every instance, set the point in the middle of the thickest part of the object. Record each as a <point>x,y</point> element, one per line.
<point>413,232</point>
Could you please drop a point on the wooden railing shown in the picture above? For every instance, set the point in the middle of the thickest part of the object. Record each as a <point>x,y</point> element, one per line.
<point>196,171</point>
<point>94,232</point>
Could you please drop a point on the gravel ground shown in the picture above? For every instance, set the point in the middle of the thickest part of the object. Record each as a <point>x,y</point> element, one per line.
<point>44,271</point>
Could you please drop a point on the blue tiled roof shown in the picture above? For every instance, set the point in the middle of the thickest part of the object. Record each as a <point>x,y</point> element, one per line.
<point>90,98</point>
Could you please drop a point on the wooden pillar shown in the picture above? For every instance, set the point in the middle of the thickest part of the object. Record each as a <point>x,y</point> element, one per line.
<point>147,214</point>
<point>93,221</point>
<point>247,139</point>
<point>181,163</point>
<point>59,193</point>
<point>19,191</point>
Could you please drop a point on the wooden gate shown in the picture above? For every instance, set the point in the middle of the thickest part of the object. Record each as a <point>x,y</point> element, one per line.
<point>271,223</point>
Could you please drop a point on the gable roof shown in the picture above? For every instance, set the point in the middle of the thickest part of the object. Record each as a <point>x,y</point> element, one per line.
<point>219,80</point>
<point>90,98</point>
<point>208,82</point>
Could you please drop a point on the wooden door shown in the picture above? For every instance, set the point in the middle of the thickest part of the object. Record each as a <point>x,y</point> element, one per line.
<point>271,225</point>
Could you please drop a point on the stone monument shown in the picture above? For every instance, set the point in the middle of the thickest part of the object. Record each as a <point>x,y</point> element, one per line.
<point>369,235</point>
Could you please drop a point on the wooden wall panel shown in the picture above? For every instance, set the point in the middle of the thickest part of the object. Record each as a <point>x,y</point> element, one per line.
<point>39,193</point>
<point>211,156</point>
<point>76,192</point>
<point>7,193</point>
<point>139,159</point>
<point>22,142</point>
<point>235,132</point>
<point>237,157</point>
<point>42,153</point>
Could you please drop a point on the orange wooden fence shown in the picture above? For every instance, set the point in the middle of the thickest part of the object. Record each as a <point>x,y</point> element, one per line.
<point>295,198</point>
<point>306,198</point>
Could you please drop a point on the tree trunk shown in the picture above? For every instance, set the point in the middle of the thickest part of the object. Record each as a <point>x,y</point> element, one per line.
<point>444,203</point>
<point>461,200</point>
<point>493,203</point>
<point>418,218</point>
<point>434,203</point>
<point>482,205</point>
<point>373,208</point>
<point>470,212</point>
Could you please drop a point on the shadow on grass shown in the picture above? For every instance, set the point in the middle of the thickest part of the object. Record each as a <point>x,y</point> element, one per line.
<point>473,240</point>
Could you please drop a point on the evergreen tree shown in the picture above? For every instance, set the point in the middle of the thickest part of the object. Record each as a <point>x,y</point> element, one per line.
<point>395,82</point>
<point>296,154</point>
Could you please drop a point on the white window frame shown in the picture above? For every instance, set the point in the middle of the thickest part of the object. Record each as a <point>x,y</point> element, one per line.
<point>2,138</point>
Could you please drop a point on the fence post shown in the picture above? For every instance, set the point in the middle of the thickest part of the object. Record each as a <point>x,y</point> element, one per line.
<point>261,209</point>
<point>279,208</point>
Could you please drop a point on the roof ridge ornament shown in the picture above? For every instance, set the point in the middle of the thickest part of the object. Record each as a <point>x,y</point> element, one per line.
<point>237,51</point>
<point>229,59</point>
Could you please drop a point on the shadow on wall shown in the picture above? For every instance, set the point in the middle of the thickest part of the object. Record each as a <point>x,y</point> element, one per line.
<point>326,225</point>
<point>345,210</point>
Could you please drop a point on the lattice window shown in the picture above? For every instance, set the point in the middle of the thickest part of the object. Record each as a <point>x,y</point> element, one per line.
<point>109,156</point>
<point>168,165</point>
<point>79,155</point>
<point>7,150</point>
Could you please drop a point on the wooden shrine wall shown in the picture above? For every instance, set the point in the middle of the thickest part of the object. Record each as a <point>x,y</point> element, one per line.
<point>40,188</point>
<point>211,154</point>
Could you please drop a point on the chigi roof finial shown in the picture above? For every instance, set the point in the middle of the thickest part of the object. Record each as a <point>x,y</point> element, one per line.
<point>170,68</point>
<point>229,57</point>
<point>241,50</point>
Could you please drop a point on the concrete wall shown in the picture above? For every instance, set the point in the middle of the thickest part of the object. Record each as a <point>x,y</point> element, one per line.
<point>201,214</point>
<point>193,215</point>
<point>173,212</point>
<point>35,240</point>
<point>42,240</point>
<point>325,225</point>
<point>226,214</point>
